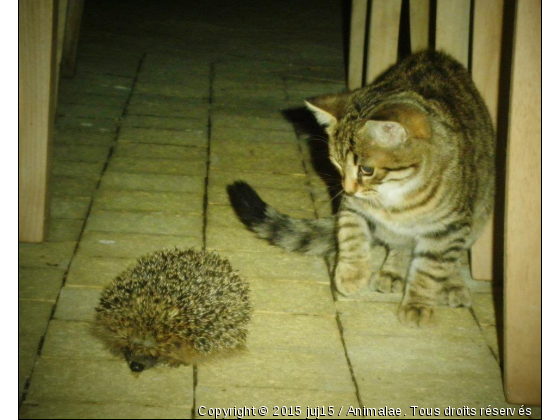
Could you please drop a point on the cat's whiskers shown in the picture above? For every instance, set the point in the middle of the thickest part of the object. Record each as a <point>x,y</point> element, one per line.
<point>314,138</point>
<point>328,176</point>
<point>380,204</point>
<point>329,202</point>
<point>318,189</point>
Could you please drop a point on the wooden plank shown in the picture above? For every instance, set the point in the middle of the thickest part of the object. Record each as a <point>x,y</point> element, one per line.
<point>383,39</point>
<point>37,56</point>
<point>71,37</point>
<point>485,67</point>
<point>486,49</point>
<point>452,28</point>
<point>357,43</point>
<point>522,351</point>
<point>419,24</point>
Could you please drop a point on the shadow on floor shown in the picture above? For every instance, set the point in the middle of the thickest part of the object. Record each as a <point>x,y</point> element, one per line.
<point>316,140</point>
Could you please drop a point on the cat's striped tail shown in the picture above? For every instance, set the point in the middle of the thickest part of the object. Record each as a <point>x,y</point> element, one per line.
<point>306,236</point>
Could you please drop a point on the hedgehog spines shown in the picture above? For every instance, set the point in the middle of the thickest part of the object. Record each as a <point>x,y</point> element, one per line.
<point>175,306</point>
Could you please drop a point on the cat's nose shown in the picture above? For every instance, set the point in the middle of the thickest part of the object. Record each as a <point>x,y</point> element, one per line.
<point>350,186</point>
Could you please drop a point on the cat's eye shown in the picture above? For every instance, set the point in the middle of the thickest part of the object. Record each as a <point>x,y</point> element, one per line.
<point>366,170</point>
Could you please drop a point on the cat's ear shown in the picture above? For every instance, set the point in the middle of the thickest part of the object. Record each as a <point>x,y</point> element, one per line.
<point>328,109</point>
<point>414,121</point>
<point>385,133</point>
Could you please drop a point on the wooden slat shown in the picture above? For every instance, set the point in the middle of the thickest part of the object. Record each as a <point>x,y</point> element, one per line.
<point>71,37</point>
<point>419,24</point>
<point>383,40</point>
<point>522,355</point>
<point>357,43</point>
<point>37,56</point>
<point>452,28</point>
<point>486,48</point>
<point>485,67</point>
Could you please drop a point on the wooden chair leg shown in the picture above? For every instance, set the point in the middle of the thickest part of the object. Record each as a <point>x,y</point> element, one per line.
<point>37,73</point>
<point>71,37</point>
<point>522,350</point>
<point>419,24</point>
<point>452,28</point>
<point>383,43</point>
<point>357,42</point>
<point>485,66</point>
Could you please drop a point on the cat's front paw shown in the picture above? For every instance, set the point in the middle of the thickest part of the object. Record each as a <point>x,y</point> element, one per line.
<point>351,278</point>
<point>387,282</point>
<point>416,314</point>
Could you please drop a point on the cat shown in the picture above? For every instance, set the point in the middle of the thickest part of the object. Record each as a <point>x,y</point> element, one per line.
<point>415,151</point>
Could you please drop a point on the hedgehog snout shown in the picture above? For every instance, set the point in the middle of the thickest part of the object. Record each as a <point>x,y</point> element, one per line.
<point>136,367</point>
<point>139,362</point>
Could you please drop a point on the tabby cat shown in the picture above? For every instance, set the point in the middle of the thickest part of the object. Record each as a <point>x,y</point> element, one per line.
<point>416,154</point>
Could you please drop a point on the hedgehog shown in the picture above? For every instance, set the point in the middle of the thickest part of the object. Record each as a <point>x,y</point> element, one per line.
<point>174,307</point>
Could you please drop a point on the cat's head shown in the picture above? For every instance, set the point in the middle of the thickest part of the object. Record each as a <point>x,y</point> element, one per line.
<point>379,150</point>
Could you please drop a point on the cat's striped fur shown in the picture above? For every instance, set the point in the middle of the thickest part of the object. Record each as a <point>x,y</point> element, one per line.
<point>416,154</point>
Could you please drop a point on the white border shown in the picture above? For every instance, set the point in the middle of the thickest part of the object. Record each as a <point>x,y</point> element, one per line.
<point>550,201</point>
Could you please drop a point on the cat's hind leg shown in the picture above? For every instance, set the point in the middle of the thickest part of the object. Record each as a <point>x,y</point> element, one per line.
<point>455,293</point>
<point>391,277</point>
<point>432,276</point>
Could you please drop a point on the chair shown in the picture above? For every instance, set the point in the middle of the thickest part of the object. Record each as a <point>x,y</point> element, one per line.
<point>44,48</point>
<point>494,57</point>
